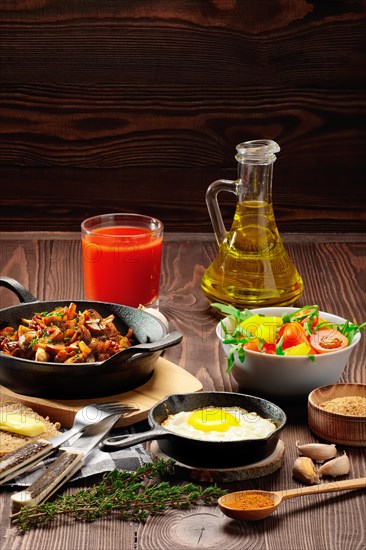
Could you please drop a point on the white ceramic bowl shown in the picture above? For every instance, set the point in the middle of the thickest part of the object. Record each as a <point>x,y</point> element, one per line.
<point>278,375</point>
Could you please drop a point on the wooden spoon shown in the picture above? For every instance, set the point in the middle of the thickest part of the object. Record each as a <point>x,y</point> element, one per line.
<point>227,502</point>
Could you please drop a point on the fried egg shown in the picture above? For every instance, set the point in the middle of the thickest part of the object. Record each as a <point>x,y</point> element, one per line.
<point>219,424</point>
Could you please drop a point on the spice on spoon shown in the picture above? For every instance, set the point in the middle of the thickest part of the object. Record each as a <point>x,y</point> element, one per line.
<point>250,501</point>
<point>279,496</point>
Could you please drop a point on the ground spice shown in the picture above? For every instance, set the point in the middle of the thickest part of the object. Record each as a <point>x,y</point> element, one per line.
<point>250,501</point>
<point>351,405</point>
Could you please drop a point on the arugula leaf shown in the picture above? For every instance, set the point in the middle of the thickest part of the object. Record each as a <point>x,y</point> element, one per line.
<point>231,358</point>
<point>323,324</point>
<point>232,341</point>
<point>286,318</point>
<point>279,350</point>
<point>349,329</point>
<point>227,309</point>
<point>303,312</point>
<point>309,323</point>
<point>241,354</point>
<point>224,328</point>
<point>233,312</point>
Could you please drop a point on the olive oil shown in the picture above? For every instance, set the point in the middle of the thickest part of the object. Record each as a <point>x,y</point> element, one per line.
<point>252,268</point>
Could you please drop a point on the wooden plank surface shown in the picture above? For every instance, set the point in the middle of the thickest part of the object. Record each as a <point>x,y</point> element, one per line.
<point>111,105</point>
<point>334,273</point>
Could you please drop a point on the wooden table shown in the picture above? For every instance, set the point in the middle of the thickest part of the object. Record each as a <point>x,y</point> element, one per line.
<point>333,268</point>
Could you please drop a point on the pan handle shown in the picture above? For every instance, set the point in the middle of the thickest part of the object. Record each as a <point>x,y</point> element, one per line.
<point>169,340</point>
<point>23,294</point>
<point>117,442</point>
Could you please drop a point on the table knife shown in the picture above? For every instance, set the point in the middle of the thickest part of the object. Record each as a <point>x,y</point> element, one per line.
<point>26,457</point>
<point>23,459</point>
<point>64,466</point>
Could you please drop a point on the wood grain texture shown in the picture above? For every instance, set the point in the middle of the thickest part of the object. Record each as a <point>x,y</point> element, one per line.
<point>138,105</point>
<point>334,271</point>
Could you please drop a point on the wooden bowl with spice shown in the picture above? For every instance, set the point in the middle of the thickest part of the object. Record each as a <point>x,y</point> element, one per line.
<point>337,413</point>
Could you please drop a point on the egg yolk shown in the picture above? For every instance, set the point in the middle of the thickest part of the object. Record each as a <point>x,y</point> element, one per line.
<point>208,420</point>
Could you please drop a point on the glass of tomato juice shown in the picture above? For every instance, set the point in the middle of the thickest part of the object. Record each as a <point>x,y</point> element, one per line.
<point>122,258</point>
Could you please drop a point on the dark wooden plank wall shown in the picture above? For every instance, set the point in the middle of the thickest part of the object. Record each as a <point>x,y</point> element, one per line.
<point>137,105</point>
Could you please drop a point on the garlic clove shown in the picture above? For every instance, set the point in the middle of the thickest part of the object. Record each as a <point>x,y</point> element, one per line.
<point>156,313</point>
<point>304,470</point>
<point>339,466</point>
<point>317,451</point>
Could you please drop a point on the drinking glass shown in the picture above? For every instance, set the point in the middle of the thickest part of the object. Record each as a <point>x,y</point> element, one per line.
<point>122,258</point>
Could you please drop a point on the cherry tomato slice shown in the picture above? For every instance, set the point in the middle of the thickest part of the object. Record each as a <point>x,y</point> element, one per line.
<point>293,334</point>
<point>327,340</point>
<point>269,348</point>
<point>252,344</point>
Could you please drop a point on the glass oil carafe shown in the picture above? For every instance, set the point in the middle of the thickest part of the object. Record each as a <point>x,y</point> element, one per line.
<point>252,268</point>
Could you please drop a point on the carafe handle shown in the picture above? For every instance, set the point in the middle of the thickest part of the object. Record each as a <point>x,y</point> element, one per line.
<point>214,208</point>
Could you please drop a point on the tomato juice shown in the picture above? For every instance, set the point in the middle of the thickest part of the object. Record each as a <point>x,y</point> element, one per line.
<point>122,264</point>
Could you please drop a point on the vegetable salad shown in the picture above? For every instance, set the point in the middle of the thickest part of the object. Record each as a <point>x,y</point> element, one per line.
<point>302,332</point>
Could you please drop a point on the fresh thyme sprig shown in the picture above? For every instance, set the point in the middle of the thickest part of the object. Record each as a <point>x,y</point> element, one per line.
<point>121,493</point>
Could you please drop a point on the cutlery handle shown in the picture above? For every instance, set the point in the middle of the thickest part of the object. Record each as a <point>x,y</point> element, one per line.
<point>21,460</point>
<point>344,485</point>
<point>58,473</point>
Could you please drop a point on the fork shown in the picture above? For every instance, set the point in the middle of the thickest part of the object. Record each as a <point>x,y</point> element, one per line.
<point>23,459</point>
<point>92,414</point>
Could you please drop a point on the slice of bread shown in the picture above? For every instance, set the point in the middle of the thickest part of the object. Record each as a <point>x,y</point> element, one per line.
<point>10,441</point>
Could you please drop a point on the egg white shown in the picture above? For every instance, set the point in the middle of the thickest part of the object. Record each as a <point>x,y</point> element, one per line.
<point>249,425</point>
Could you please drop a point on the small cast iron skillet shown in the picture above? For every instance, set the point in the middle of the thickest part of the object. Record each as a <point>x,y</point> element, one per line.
<point>207,454</point>
<point>123,371</point>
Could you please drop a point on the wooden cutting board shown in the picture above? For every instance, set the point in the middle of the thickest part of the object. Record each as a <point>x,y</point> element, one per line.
<point>167,378</point>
